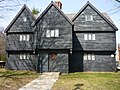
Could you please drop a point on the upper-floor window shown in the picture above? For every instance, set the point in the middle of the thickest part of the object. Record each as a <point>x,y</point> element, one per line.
<point>89,17</point>
<point>24,37</point>
<point>89,36</point>
<point>24,19</point>
<point>52,33</point>
<point>89,57</point>
<point>24,56</point>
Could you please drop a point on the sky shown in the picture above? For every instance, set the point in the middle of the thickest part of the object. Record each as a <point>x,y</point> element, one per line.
<point>70,6</point>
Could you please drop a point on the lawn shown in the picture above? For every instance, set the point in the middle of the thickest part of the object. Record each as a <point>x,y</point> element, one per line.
<point>88,81</point>
<point>12,80</point>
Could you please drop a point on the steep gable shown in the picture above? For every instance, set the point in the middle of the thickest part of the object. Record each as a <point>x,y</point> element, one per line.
<point>22,21</point>
<point>52,4</point>
<point>99,22</point>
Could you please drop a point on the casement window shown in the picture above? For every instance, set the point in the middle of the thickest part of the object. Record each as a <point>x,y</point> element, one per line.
<point>24,37</point>
<point>89,57</point>
<point>24,56</point>
<point>88,17</point>
<point>89,36</point>
<point>24,19</point>
<point>52,33</point>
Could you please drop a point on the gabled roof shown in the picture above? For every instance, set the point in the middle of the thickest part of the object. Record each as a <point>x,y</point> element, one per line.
<point>98,12</point>
<point>17,16</point>
<point>44,12</point>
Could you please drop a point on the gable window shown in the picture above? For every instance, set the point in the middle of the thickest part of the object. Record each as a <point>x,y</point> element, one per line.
<point>24,56</point>
<point>24,37</point>
<point>89,36</point>
<point>52,33</point>
<point>24,19</point>
<point>88,17</point>
<point>89,57</point>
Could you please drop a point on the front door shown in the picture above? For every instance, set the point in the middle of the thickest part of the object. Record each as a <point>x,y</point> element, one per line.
<point>52,59</point>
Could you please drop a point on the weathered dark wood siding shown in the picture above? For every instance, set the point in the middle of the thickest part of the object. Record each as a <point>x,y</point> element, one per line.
<point>103,62</point>
<point>97,24</point>
<point>104,41</point>
<point>13,43</point>
<point>52,20</point>
<point>61,64</point>
<point>15,63</point>
<point>19,25</point>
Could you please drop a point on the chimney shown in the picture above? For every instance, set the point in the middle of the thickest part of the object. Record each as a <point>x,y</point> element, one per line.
<point>58,3</point>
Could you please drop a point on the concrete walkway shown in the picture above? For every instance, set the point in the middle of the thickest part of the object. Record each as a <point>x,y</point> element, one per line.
<point>43,82</point>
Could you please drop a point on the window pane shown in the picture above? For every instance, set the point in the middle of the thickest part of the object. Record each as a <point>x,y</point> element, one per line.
<point>85,56</point>
<point>28,56</point>
<point>48,33</point>
<point>93,57</point>
<point>24,56</point>
<point>88,17</point>
<point>27,38</point>
<point>20,37</point>
<point>93,36</point>
<point>21,56</point>
<point>56,33</point>
<point>85,37</point>
<point>89,56</point>
<point>24,19</point>
<point>90,37</point>
<point>52,33</point>
<point>24,37</point>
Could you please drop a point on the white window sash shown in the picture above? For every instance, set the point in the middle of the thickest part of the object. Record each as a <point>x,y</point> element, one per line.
<point>27,37</point>
<point>21,56</point>
<point>20,37</point>
<point>28,56</point>
<point>89,56</point>
<point>48,33</point>
<point>56,33</point>
<point>24,56</point>
<point>23,37</point>
<point>85,56</point>
<point>52,33</point>
<point>90,37</point>
<point>85,37</point>
<point>24,19</point>
<point>93,36</point>
<point>88,17</point>
<point>93,57</point>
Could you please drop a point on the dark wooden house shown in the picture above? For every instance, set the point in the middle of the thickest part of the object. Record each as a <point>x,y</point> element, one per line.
<point>55,43</point>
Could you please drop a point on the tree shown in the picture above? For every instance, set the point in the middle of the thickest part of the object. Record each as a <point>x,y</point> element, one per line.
<point>6,6</point>
<point>35,11</point>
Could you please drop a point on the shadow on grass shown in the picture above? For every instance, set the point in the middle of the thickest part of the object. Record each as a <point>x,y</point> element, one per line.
<point>12,80</point>
<point>78,87</point>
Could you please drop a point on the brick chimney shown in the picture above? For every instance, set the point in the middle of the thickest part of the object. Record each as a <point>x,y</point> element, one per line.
<point>58,3</point>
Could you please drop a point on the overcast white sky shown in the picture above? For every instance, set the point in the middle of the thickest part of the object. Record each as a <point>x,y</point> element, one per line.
<point>69,6</point>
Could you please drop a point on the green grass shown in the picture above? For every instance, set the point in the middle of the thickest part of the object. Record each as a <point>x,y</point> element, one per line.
<point>88,81</point>
<point>14,79</point>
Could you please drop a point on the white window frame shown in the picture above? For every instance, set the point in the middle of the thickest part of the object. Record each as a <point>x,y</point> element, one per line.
<point>89,57</point>
<point>89,17</point>
<point>52,33</point>
<point>24,56</point>
<point>24,19</point>
<point>24,37</point>
<point>93,37</point>
<point>85,37</point>
<point>89,36</point>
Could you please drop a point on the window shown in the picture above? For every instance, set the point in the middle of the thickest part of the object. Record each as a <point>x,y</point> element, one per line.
<point>24,56</point>
<point>88,17</point>
<point>85,37</point>
<point>24,19</point>
<point>24,37</point>
<point>52,33</point>
<point>89,57</point>
<point>89,36</point>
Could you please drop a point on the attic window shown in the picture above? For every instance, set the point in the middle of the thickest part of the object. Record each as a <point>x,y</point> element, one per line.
<point>88,17</point>
<point>24,19</point>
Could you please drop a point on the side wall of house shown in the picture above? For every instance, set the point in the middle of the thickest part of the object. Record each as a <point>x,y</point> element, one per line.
<point>102,47</point>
